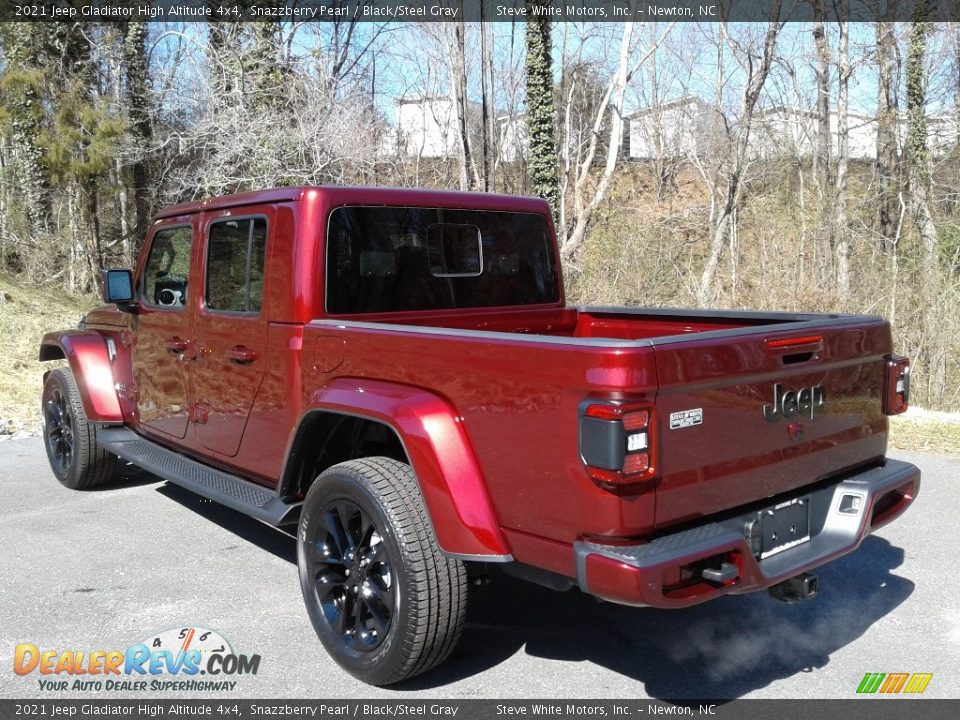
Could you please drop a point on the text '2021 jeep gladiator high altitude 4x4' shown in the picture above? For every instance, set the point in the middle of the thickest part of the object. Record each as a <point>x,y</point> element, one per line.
<point>397,372</point>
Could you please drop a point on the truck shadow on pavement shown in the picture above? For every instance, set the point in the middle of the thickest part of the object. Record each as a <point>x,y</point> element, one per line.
<point>720,650</point>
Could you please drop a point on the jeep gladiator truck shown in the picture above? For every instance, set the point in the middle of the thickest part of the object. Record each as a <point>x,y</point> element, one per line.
<point>396,373</point>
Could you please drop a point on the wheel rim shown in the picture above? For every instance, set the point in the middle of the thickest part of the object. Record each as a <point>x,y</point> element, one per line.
<point>59,427</point>
<point>352,577</point>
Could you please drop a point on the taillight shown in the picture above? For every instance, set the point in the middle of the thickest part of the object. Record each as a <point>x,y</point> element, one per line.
<point>616,442</point>
<point>896,385</point>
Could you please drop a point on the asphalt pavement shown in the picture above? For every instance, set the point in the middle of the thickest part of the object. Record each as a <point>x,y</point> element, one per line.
<point>106,568</point>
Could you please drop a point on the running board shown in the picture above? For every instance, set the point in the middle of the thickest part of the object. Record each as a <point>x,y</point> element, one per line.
<point>230,490</point>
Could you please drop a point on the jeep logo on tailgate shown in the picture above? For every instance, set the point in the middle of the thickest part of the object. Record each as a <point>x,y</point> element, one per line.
<point>807,401</point>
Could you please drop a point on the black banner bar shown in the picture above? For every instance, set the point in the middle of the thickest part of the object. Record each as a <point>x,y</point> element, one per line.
<point>873,708</point>
<point>663,11</point>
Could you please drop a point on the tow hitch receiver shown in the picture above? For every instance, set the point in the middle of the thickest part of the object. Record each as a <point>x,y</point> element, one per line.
<point>796,589</point>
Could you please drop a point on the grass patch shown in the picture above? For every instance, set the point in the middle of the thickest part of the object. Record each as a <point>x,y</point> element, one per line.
<point>26,314</point>
<point>923,431</point>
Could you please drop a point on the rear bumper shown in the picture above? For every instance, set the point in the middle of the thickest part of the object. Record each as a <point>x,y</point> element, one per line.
<point>649,574</point>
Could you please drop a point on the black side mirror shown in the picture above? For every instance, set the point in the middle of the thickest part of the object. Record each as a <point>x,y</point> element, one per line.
<point>118,289</point>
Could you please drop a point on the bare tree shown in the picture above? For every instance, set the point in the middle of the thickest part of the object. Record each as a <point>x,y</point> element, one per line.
<point>841,232</point>
<point>611,108</point>
<point>755,66</point>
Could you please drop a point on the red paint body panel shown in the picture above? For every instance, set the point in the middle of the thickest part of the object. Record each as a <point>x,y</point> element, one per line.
<point>433,435</point>
<point>86,351</point>
<point>487,401</point>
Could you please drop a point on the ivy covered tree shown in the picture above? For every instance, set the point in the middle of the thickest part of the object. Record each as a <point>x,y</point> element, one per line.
<point>541,127</point>
<point>23,92</point>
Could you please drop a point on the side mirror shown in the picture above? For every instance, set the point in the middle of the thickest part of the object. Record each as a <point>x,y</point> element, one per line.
<point>118,289</point>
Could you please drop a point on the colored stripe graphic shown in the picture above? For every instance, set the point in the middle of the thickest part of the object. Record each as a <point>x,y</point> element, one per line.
<point>870,682</point>
<point>893,683</point>
<point>918,682</point>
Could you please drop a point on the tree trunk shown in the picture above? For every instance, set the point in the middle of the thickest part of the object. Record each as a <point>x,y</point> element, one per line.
<point>888,180</point>
<point>918,160</point>
<point>458,80</point>
<point>823,149</point>
<point>24,102</point>
<point>140,131</point>
<point>489,102</point>
<point>541,130</point>
<point>840,232</point>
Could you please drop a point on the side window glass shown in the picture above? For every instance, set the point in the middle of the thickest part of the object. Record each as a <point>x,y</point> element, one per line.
<point>168,268</point>
<point>235,258</point>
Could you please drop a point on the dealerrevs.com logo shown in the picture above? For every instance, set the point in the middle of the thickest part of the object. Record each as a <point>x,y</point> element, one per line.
<point>894,683</point>
<point>171,660</point>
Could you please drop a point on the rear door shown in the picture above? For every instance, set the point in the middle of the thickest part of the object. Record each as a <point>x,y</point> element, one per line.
<point>163,330</point>
<point>753,414</point>
<point>230,329</point>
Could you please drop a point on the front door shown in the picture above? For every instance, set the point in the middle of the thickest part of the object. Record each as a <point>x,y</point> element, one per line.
<point>163,331</point>
<point>230,328</point>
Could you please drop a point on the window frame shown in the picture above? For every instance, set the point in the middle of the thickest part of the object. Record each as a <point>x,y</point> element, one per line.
<point>206,263</point>
<point>142,295</point>
<point>479,272</point>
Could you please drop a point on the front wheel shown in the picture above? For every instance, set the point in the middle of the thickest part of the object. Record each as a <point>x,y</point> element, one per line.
<point>70,438</point>
<point>383,599</point>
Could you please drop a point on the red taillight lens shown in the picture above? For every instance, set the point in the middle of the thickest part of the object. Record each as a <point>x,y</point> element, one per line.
<point>616,442</point>
<point>896,385</point>
<point>636,420</point>
<point>636,463</point>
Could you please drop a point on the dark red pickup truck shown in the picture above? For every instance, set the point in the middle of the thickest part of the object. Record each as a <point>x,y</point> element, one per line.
<point>397,372</point>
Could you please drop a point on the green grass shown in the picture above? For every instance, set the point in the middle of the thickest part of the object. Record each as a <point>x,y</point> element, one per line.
<point>26,313</point>
<point>926,432</point>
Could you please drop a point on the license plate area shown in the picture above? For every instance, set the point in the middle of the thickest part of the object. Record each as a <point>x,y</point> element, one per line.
<point>783,526</point>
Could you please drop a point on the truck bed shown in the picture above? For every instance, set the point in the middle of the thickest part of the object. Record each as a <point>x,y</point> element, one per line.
<point>522,375</point>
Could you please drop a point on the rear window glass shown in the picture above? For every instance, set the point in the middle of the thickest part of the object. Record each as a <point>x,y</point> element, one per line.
<point>383,259</point>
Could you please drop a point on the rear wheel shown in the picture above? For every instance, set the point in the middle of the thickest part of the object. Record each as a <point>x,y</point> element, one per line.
<point>383,599</point>
<point>70,439</point>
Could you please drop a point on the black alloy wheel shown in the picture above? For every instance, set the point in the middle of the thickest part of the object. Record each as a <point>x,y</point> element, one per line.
<point>70,439</point>
<point>354,580</point>
<point>384,600</point>
<point>58,426</point>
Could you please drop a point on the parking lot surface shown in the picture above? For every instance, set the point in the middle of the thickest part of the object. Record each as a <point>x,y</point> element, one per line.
<point>104,569</point>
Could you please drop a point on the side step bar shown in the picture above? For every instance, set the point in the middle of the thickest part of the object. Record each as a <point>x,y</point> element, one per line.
<point>230,490</point>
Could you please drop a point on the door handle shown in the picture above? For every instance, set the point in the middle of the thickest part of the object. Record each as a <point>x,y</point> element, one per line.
<point>241,354</point>
<point>176,345</point>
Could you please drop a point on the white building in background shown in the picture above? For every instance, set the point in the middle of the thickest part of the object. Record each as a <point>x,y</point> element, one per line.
<point>791,132</point>
<point>512,137</point>
<point>943,135</point>
<point>689,127</point>
<point>680,128</point>
<point>426,127</point>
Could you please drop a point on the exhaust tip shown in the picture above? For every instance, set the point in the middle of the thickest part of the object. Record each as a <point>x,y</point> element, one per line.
<point>796,589</point>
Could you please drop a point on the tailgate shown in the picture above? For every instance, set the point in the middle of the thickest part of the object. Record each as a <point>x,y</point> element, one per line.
<point>748,414</point>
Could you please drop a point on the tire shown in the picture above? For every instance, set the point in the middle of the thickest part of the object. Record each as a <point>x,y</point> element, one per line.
<point>76,459</point>
<point>385,602</point>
